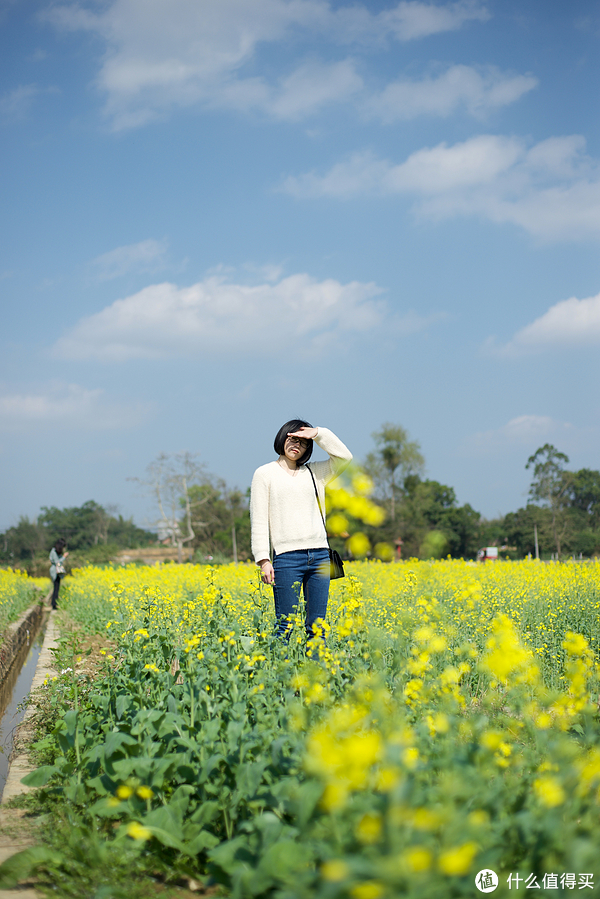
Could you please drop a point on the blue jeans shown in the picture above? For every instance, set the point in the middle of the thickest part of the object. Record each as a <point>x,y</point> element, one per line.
<point>306,568</point>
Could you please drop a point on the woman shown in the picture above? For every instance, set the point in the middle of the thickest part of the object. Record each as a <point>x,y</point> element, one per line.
<point>285,515</point>
<point>57,568</point>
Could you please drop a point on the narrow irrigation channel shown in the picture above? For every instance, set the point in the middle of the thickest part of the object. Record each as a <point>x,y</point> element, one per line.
<point>14,688</point>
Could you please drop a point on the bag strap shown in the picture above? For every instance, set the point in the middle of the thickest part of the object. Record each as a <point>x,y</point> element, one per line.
<point>318,501</point>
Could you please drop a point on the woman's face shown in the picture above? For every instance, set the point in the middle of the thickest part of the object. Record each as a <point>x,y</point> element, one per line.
<point>294,448</point>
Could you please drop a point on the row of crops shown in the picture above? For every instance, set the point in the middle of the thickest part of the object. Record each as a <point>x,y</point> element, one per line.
<point>445,722</point>
<point>17,593</point>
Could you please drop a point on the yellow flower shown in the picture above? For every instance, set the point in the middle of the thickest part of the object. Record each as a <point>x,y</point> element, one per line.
<point>362,483</point>
<point>334,797</point>
<point>575,644</point>
<point>491,739</point>
<point>590,770</point>
<point>417,859</point>
<point>438,723</point>
<point>138,832</point>
<point>334,870</point>
<point>549,791</point>
<point>384,551</point>
<point>387,779</point>
<point>358,544</point>
<point>478,818</point>
<point>337,524</point>
<point>410,757</point>
<point>370,889</point>
<point>506,659</point>
<point>144,792</point>
<point>438,644</point>
<point>368,829</point>
<point>457,861</point>
<point>426,819</point>
<point>124,791</point>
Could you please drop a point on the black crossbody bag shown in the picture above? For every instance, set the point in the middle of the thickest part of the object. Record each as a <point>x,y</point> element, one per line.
<point>336,566</point>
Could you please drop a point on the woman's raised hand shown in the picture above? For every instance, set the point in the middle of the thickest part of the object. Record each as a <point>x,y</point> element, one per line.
<point>305,433</point>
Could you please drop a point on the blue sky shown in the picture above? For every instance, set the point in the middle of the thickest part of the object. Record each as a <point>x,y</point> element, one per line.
<point>220,214</point>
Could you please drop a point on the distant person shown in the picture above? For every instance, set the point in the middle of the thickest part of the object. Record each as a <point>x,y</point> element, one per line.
<point>285,515</point>
<point>57,568</point>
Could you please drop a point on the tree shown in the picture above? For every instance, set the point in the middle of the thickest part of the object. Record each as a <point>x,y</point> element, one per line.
<point>394,459</point>
<point>235,502</point>
<point>431,508</point>
<point>170,480</point>
<point>222,520</point>
<point>23,541</point>
<point>518,529</point>
<point>91,531</point>
<point>81,526</point>
<point>584,494</point>
<point>551,485</point>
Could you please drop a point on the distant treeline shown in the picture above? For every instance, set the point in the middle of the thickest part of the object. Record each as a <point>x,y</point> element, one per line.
<point>95,536</point>
<point>563,508</point>
<point>92,534</point>
<point>210,521</point>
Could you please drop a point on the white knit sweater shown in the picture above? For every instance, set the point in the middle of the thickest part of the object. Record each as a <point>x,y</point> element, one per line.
<point>283,508</point>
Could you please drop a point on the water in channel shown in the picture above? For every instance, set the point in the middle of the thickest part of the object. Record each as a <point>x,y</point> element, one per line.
<point>13,691</point>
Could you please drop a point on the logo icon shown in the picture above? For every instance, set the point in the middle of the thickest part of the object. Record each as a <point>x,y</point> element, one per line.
<point>486,881</point>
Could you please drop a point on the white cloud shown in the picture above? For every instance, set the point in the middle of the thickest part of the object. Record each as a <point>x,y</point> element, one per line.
<point>161,56</point>
<point>65,405</point>
<point>436,170</point>
<point>551,190</point>
<point>217,316</point>
<point>458,87</point>
<point>569,323</point>
<point>145,256</point>
<point>16,103</point>
<point>308,88</point>
<point>410,20</point>
<point>525,432</point>
<point>406,21</point>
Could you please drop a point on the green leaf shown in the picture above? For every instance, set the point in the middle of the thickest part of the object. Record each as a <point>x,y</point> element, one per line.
<point>164,818</point>
<point>165,837</point>
<point>116,741</point>
<point>20,866</point>
<point>206,813</point>
<point>203,840</point>
<point>208,767</point>
<point>40,777</point>
<point>229,855</point>
<point>123,703</point>
<point>70,720</point>
<point>284,860</point>
<point>185,773</point>
<point>102,809</point>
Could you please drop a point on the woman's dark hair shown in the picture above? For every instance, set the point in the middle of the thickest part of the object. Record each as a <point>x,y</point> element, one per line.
<point>60,544</point>
<point>288,428</point>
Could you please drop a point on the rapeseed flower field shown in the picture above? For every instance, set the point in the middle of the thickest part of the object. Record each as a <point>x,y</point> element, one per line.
<point>444,723</point>
<point>17,593</point>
